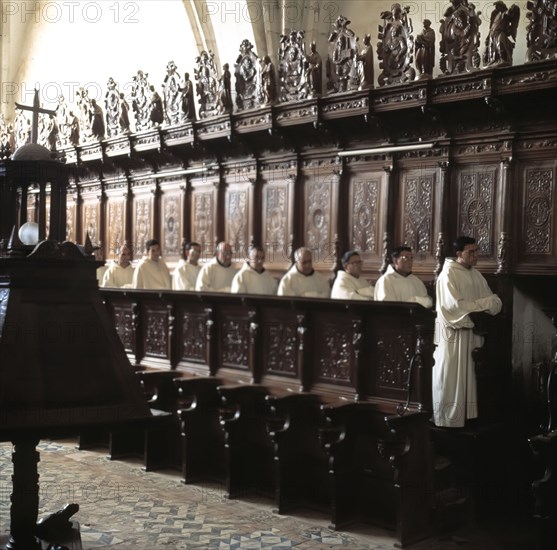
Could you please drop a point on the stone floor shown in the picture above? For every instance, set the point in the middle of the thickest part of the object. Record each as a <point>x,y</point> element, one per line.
<point>125,508</point>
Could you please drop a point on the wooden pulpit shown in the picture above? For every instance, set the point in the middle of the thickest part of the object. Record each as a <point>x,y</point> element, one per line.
<point>62,368</point>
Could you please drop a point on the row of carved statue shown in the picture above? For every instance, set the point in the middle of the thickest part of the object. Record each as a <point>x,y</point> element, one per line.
<point>298,75</point>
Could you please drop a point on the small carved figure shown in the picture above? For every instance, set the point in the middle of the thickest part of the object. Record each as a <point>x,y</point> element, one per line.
<point>365,64</point>
<point>395,47</point>
<point>268,81</point>
<point>188,103</point>
<point>124,117</point>
<point>74,129</point>
<point>84,106</point>
<point>343,75</point>
<point>52,138</point>
<point>460,38</point>
<point>501,38</point>
<point>140,101</point>
<point>425,51</point>
<point>22,129</point>
<point>206,84</point>
<point>157,114</point>
<point>314,71</point>
<point>112,105</point>
<point>245,71</point>
<point>172,93</point>
<point>97,121</point>
<point>225,96</point>
<point>63,121</point>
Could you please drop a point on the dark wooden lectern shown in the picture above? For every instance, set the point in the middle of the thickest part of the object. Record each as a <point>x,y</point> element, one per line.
<point>62,367</point>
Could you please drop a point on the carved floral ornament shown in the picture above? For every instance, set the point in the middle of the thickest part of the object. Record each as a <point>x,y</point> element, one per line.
<point>464,41</point>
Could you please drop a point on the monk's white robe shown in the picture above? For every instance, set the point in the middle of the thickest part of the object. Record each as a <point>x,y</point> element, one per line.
<point>100,273</point>
<point>152,275</point>
<point>117,276</point>
<point>394,287</point>
<point>348,287</point>
<point>249,281</point>
<point>185,276</point>
<point>295,283</point>
<point>460,291</point>
<point>214,277</point>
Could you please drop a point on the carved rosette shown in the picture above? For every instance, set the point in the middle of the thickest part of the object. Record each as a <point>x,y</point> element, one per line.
<point>171,224</point>
<point>364,206</point>
<point>124,322</point>
<point>142,225</point>
<point>275,235</point>
<point>236,216</point>
<point>282,348</point>
<point>476,208</point>
<point>418,200</point>
<point>156,334</point>
<point>336,353</point>
<point>318,214</point>
<point>394,351</point>
<point>203,216</point>
<point>537,214</point>
<point>194,337</point>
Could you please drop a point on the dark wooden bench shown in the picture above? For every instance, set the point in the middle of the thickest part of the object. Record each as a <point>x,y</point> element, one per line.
<point>201,433</point>
<point>380,469</point>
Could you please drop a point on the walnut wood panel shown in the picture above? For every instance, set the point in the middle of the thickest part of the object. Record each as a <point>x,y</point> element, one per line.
<point>194,334</point>
<point>156,329</point>
<point>172,214</point>
<point>142,216</point>
<point>204,213</point>
<point>238,216</point>
<point>116,222</point>
<point>91,198</point>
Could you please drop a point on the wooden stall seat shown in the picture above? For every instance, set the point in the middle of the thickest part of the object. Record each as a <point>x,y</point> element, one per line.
<point>248,447</point>
<point>201,434</point>
<point>300,462</point>
<point>157,440</point>
<point>380,469</point>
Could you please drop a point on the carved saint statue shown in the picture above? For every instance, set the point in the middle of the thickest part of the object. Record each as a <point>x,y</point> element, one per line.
<point>84,113</point>
<point>425,51</point>
<point>112,106</point>
<point>155,105</point>
<point>74,129</point>
<point>268,81</point>
<point>292,67</point>
<point>172,93</point>
<point>365,64</point>
<point>314,69</point>
<point>501,38</point>
<point>246,72</point>
<point>188,103</point>
<point>97,121</point>
<point>395,47</point>
<point>124,115</point>
<point>140,101</point>
<point>63,121</point>
<point>342,71</point>
<point>206,84</point>
<point>460,38</point>
<point>224,94</point>
<point>22,129</point>
<point>7,138</point>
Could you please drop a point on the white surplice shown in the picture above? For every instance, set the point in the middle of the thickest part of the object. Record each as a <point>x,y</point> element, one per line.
<point>394,287</point>
<point>348,287</point>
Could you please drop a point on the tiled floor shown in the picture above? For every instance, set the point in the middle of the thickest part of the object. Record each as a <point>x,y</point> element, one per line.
<point>124,508</point>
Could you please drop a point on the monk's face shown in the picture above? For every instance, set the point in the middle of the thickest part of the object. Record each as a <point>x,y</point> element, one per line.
<point>124,257</point>
<point>256,259</point>
<point>305,263</point>
<point>193,254</point>
<point>354,266</point>
<point>224,254</point>
<point>154,252</point>
<point>404,263</point>
<point>469,256</point>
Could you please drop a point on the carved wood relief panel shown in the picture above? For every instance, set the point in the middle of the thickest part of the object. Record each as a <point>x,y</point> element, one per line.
<point>123,320</point>
<point>71,211</point>
<point>193,338</point>
<point>31,208</point>
<point>91,221</point>
<point>237,220</point>
<point>276,223</point>
<point>142,222</point>
<point>280,342</point>
<point>203,218</point>
<point>476,206</point>
<point>416,204</point>
<point>234,331</point>
<point>539,199</point>
<point>155,331</point>
<point>363,208</point>
<point>115,228</point>
<point>171,223</point>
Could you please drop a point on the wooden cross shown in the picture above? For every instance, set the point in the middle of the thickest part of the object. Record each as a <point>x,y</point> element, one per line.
<point>36,109</point>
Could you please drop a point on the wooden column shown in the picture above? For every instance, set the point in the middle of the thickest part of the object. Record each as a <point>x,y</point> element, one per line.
<point>388,206</point>
<point>441,217</point>
<point>504,249</point>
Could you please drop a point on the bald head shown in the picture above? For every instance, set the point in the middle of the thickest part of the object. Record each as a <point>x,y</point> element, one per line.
<point>224,253</point>
<point>304,260</point>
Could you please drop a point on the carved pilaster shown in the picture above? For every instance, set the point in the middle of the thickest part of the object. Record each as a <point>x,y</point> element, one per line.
<point>171,320</point>
<point>357,343</point>
<point>210,339</point>
<point>440,253</point>
<point>302,329</point>
<point>504,252</point>
<point>138,339</point>
<point>388,209</point>
<point>252,348</point>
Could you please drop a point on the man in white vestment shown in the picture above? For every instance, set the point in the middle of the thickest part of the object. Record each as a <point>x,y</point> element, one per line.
<point>252,277</point>
<point>152,273</point>
<point>217,275</point>
<point>348,284</point>
<point>460,290</point>
<point>185,275</point>
<point>302,280</point>
<point>398,284</point>
<point>120,273</point>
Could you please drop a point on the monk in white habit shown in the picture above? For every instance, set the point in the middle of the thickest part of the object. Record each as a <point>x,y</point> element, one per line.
<point>152,273</point>
<point>302,280</point>
<point>185,275</point>
<point>217,275</point>
<point>398,284</point>
<point>253,278</point>
<point>120,273</point>
<point>349,285</point>
<point>460,290</point>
